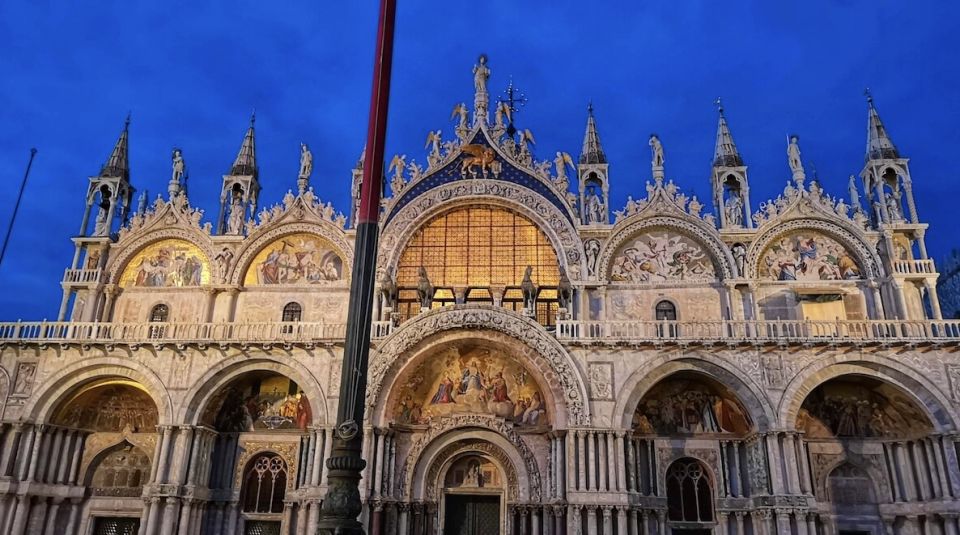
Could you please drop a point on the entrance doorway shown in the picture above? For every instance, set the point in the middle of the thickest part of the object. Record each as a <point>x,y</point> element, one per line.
<point>471,514</point>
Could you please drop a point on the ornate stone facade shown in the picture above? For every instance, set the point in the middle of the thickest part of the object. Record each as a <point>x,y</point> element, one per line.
<point>765,362</point>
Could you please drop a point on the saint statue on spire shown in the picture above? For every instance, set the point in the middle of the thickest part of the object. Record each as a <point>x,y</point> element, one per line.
<point>481,73</point>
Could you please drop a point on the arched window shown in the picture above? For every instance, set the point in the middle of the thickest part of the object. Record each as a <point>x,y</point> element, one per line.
<point>292,312</point>
<point>158,314</point>
<point>121,473</point>
<point>265,484</point>
<point>666,311</point>
<point>689,496</point>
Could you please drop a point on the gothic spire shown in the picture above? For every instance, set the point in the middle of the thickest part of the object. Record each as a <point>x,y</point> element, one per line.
<point>246,162</point>
<point>117,165</point>
<point>879,144</point>
<point>725,154</point>
<point>592,152</point>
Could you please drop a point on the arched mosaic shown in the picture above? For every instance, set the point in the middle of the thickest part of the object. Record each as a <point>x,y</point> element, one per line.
<point>661,255</point>
<point>469,378</point>
<point>478,246</point>
<point>860,407</point>
<point>688,403</point>
<point>168,263</point>
<point>110,405</point>
<point>294,259</point>
<point>258,401</point>
<point>807,256</point>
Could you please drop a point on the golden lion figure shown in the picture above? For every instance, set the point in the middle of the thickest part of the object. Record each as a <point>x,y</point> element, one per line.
<point>480,156</point>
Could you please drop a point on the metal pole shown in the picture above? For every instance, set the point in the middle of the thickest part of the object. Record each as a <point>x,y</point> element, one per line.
<point>342,503</point>
<point>16,207</point>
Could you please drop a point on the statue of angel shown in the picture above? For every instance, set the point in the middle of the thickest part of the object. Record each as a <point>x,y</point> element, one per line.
<point>306,161</point>
<point>563,160</point>
<point>657,151</point>
<point>525,136</point>
<point>460,110</point>
<point>503,110</point>
<point>433,141</point>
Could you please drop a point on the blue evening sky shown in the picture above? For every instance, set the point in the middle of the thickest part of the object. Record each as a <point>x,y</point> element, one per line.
<point>191,72</point>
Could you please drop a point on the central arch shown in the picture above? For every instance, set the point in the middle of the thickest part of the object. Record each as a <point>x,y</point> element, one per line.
<point>560,377</point>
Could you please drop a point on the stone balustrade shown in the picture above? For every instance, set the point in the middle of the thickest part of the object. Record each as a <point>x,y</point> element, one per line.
<point>914,267</point>
<point>570,331</point>
<point>82,275</point>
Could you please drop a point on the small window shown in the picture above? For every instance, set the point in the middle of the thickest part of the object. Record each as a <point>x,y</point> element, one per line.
<point>292,312</point>
<point>159,314</point>
<point>666,311</point>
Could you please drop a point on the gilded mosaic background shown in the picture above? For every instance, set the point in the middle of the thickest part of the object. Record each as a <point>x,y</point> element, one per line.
<point>295,259</point>
<point>168,263</point>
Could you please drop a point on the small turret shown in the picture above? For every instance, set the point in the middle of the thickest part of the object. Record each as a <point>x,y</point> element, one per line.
<point>592,175</point>
<point>731,190</point>
<point>241,186</point>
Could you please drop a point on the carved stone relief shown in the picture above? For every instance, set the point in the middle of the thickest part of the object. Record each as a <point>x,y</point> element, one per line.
<point>23,382</point>
<point>601,380</point>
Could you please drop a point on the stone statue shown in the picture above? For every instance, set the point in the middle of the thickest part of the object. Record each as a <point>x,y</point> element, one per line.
<point>388,289</point>
<point>734,210</point>
<point>656,149</point>
<point>178,167</point>
<point>306,161</point>
<point>397,165</point>
<point>740,255</point>
<point>564,291</point>
<point>592,251</point>
<point>503,110</point>
<point>854,193</point>
<point>893,207</point>
<point>793,156</point>
<point>235,220</point>
<point>102,225</point>
<point>561,162</point>
<point>460,110</point>
<point>529,290</point>
<point>224,258</point>
<point>433,141</point>
<point>593,208</point>
<point>424,289</point>
<point>481,73</point>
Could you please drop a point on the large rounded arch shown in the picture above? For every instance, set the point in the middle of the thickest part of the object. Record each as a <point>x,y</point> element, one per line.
<point>193,241</point>
<point>560,374</point>
<point>218,376</point>
<point>915,386</point>
<point>864,256</point>
<point>695,231</point>
<point>750,395</point>
<point>544,215</point>
<point>429,449</point>
<point>325,231</point>
<point>71,377</point>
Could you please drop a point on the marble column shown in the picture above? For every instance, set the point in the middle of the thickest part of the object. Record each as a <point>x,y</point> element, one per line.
<point>607,519</point>
<point>722,525</point>
<point>773,455</point>
<point>738,522</point>
<point>737,478</point>
<point>621,461</point>
<point>790,462</point>
<point>403,520</point>
<point>591,460</point>
<point>592,520</point>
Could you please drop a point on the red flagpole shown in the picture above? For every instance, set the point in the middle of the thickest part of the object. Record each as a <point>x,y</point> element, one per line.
<point>342,504</point>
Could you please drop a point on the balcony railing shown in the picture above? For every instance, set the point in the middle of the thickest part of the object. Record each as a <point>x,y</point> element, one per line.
<point>82,275</point>
<point>914,267</point>
<point>761,331</point>
<point>570,331</point>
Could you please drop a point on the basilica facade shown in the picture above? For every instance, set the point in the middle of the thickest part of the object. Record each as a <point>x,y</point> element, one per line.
<point>541,363</point>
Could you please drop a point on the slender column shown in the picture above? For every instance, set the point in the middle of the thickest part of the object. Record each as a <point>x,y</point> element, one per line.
<point>773,454</point>
<point>317,465</point>
<point>934,300</point>
<point>591,460</point>
<point>633,524</point>
<point>621,520</point>
<point>592,520</point>
<point>233,513</point>
<point>73,517</point>
<point>21,514</point>
<point>915,453</point>
<point>633,476</point>
<point>739,521</point>
<point>790,461</point>
<point>52,511</point>
<point>949,523</point>
<point>933,452</point>
<point>607,519</point>
<point>186,510</point>
<point>378,475</point>
<point>570,460</point>
<point>644,523</point>
<point>8,457</point>
<point>603,467</point>
<point>534,521</point>
<point>757,523</point>
<point>651,468</point>
<point>391,465</point>
<point>806,479</point>
<point>581,461</point>
<point>56,457</point>
<point>364,483</point>
<point>725,466</point>
<point>800,517</point>
<point>153,516</point>
<point>554,465</point>
<point>722,525</point>
<point>891,465</point>
<point>952,468</point>
<point>327,449</point>
<point>574,525</point>
<point>737,481</point>
<point>906,472</point>
<point>661,522</point>
<point>186,454</point>
<point>621,462</point>
<point>403,528</point>
<point>28,461</point>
